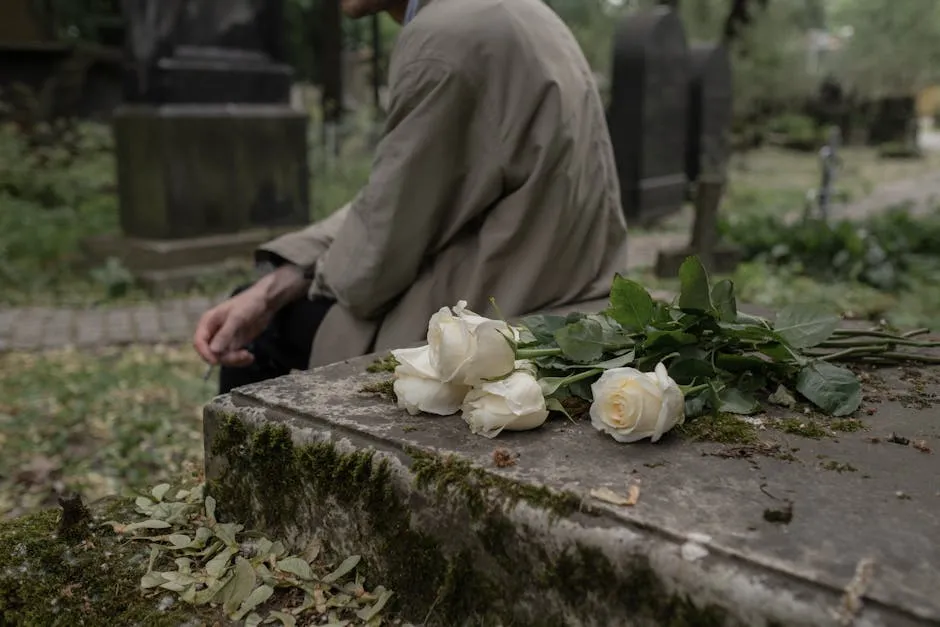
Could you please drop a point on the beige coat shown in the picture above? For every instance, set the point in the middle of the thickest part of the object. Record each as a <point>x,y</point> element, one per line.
<point>495,178</point>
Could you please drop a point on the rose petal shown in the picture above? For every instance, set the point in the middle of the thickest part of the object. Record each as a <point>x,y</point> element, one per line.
<point>418,394</point>
<point>414,362</point>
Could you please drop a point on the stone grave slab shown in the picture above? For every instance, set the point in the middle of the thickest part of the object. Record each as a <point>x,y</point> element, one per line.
<point>648,112</point>
<point>466,530</point>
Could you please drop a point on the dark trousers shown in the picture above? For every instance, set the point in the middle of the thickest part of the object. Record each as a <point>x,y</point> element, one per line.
<point>283,346</point>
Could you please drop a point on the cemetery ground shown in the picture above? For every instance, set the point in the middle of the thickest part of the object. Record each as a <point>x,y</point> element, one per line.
<point>104,419</point>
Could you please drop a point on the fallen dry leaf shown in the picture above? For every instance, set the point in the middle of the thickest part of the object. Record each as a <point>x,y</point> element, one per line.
<point>921,445</point>
<point>503,458</point>
<point>609,496</point>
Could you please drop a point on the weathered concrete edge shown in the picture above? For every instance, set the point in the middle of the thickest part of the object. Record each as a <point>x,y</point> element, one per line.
<point>743,591</point>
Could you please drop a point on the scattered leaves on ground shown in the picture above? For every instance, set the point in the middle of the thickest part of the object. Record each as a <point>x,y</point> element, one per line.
<point>208,562</point>
<point>97,422</point>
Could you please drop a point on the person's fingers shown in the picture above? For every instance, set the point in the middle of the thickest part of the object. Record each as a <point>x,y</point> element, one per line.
<point>206,328</point>
<point>227,339</point>
<point>237,359</point>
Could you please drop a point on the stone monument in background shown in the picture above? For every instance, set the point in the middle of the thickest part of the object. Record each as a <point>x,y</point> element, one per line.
<point>212,159</point>
<point>708,151</point>
<point>649,99</point>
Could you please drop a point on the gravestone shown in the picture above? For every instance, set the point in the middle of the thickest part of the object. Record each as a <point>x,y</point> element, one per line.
<point>777,532</point>
<point>708,149</point>
<point>212,158</point>
<point>648,113</point>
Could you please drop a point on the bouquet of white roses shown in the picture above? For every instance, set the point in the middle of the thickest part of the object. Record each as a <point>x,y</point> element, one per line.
<point>642,365</point>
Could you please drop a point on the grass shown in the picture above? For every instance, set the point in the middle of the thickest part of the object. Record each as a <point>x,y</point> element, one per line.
<point>774,180</point>
<point>60,188</point>
<point>98,423</point>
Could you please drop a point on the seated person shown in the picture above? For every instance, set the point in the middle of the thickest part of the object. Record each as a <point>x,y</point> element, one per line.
<point>495,178</point>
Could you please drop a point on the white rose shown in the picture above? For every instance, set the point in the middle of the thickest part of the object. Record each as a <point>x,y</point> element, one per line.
<point>467,348</point>
<point>631,405</point>
<point>418,387</point>
<point>514,403</point>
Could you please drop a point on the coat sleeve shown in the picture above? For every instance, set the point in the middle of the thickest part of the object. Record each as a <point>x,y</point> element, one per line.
<point>303,248</point>
<point>421,169</point>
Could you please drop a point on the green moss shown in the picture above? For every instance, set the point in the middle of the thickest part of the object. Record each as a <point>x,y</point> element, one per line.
<point>266,463</point>
<point>839,467</point>
<point>384,388</point>
<point>477,487</point>
<point>580,569</point>
<point>723,428</point>
<point>48,580</point>
<point>384,364</point>
<point>437,580</point>
<point>805,428</point>
<point>847,425</point>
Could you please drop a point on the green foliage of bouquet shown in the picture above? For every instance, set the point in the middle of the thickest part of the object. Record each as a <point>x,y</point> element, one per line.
<point>643,366</point>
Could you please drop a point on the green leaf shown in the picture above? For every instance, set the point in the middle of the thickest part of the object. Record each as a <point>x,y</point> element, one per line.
<point>630,304</point>
<point>543,326</point>
<point>179,541</point>
<point>254,619</point>
<point>833,389</point>
<point>295,566</point>
<point>782,397</point>
<point>286,619</point>
<point>586,340</point>
<point>684,371</point>
<point>152,580</point>
<point>694,290</point>
<point>226,532</point>
<point>668,340</point>
<point>217,566</point>
<point>234,593</point>
<point>724,302</point>
<point>734,401</point>
<point>742,363</point>
<point>348,564</point>
<point>258,596</point>
<point>210,510</point>
<point>160,491</point>
<point>368,613</point>
<point>147,524</point>
<point>553,404</point>
<point>803,326</point>
<point>748,332</point>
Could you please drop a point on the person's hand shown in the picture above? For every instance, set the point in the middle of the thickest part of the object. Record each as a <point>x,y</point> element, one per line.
<point>225,330</point>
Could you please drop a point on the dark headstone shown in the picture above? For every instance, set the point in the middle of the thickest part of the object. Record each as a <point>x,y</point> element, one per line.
<point>648,113</point>
<point>206,51</point>
<point>211,156</point>
<point>708,145</point>
<point>892,120</point>
<point>708,150</point>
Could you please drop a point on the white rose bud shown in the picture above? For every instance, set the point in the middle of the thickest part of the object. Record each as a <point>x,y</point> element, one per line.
<point>631,405</point>
<point>467,348</point>
<point>514,404</point>
<point>418,387</point>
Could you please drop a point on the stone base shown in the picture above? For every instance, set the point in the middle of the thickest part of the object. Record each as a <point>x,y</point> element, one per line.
<point>723,260</point>
<point>178,264</point>
<point>463,541</point>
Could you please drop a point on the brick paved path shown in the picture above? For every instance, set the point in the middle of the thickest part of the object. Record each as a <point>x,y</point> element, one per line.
<point>173,321</point>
